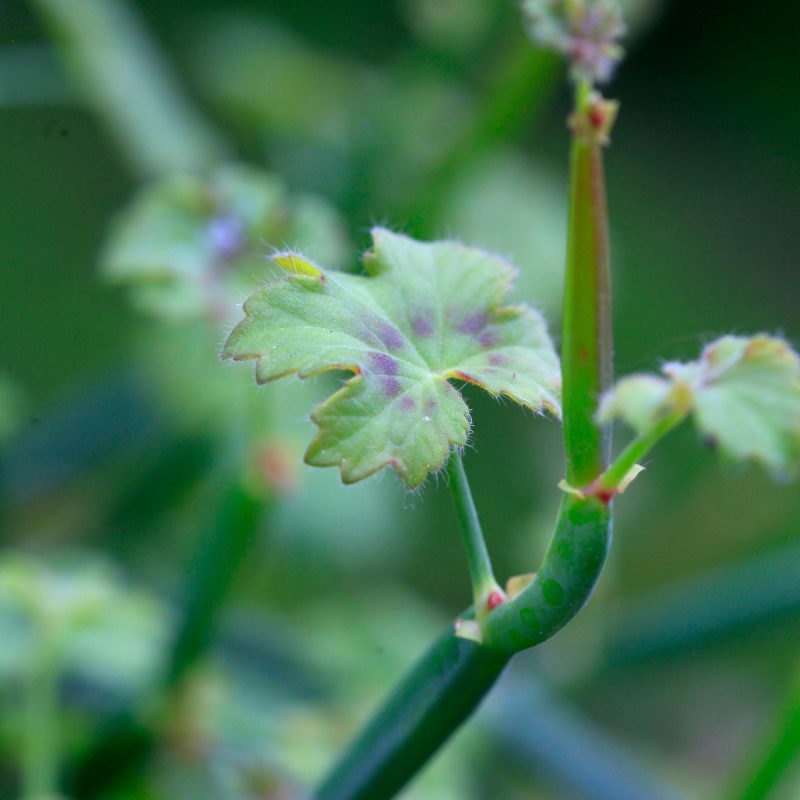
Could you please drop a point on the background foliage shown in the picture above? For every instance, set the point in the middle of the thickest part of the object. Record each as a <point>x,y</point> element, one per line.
<point>434,118</point>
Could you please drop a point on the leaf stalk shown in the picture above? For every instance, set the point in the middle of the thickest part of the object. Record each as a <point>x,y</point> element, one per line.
<point>610,481</point>
<point>484,584</point>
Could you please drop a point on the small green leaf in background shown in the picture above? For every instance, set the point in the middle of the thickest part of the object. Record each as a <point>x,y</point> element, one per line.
<point>194,247</point>
<point>744,394</point>
<point>425,314</point>
<point>84,605</point>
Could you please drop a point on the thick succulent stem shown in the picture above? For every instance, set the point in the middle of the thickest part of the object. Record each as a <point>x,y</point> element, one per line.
<point>563,584</point>
<point>577,552</point>
<point>442,690</point>
<point>450,681</point>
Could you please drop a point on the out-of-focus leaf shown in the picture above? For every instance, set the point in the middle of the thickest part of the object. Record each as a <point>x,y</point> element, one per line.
<point>313,107</point>
<point>515,206</point>
<point>100,627</point>
<point>642,400</point>
<point>744,394</point>
<point>426,313</point>
<point>307,88</point>
<point>192,247</point>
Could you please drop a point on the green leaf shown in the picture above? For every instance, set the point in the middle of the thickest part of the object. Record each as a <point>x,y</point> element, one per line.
<point>423,315</point>
<point>84,603</point>
<point>744,394</point>
<point>192,247</point>
<point>641,401</point>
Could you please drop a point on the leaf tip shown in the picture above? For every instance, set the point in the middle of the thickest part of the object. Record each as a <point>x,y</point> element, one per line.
<point>296,264</point>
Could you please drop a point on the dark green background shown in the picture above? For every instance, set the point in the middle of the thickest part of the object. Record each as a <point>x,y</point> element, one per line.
<point>704,197</point>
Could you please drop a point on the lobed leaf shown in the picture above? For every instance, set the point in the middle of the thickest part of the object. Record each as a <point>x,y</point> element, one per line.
<point>424,314</point>
<point>744,394</point>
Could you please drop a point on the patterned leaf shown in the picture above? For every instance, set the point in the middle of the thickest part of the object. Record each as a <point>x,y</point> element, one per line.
<point>424,314</point>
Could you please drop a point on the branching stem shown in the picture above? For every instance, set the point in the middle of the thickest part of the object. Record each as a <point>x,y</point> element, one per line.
<point>620,467</point>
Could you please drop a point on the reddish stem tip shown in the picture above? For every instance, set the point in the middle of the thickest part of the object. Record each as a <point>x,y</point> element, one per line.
<point>597,116</point>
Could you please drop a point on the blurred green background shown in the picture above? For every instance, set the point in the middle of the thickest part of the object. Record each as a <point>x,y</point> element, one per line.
<point>434,117</point>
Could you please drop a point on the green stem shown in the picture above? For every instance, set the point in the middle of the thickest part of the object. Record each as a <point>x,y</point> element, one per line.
<point>576,554</point>
<point>565,580</point>
<point>40,743</point>
<point>210,578</point>
<point>480,565</point>
<point>448,684</point>
<point>619,468</point>
<point>780,755</point>
<point>586,350</point>
<point>432,701</point>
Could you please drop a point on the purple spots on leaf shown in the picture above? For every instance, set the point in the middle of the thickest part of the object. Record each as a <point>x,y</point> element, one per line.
<point>431,404</point>
<point>407,403</point>
<point>473,323</point>
<point>497,359</point>
<point>383,363</point>
<point>489,338</point>
<point>390,385</point>
<point>390,336</point>
<point>422,325</point>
